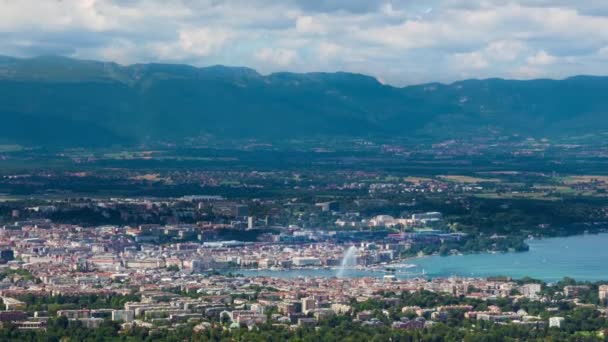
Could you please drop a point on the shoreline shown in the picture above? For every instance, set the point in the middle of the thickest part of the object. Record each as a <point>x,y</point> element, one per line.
<point>549,259</point>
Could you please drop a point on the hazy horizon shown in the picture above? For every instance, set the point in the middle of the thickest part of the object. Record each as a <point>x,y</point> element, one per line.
<point>564,77</point>
<point>398,42</point>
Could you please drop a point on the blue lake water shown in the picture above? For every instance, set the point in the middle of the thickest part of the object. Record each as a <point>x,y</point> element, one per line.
<point>582,257</point>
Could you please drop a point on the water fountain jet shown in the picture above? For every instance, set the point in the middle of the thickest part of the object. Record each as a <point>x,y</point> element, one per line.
<point>348,261</point>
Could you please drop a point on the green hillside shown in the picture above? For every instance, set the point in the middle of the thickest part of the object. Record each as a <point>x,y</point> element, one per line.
<point>61,101</point>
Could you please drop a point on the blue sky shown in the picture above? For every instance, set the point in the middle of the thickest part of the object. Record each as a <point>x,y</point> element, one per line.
<point>399,42</point>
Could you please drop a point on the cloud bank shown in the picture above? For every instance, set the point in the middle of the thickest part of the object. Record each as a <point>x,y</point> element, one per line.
<point>400,42</point>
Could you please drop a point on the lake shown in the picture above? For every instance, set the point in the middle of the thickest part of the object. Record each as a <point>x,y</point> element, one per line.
<point>582,257</point>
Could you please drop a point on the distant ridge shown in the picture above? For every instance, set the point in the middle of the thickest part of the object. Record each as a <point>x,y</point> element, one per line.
<point>58,101</point>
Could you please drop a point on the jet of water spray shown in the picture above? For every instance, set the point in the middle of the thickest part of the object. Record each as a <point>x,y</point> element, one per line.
<point>348,261</point>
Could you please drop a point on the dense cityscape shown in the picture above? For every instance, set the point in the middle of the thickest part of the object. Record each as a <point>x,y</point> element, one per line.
<point>303,171</point>
<point>304,241</point>
<point>320,250</point>
<point>91,276</point>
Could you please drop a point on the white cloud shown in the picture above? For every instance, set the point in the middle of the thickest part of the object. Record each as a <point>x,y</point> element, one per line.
<point>328,51</point>
<point>527,72</point>
<point>541,58</point>
<point>309,24</point>
<point>495,54</point>
<point>281,57</point>
<point>603,52</point>
<point>504,50</point>
<point>471,60</point>
<point>203,41</point>
<point>122,51</point>
<point>400,41</point>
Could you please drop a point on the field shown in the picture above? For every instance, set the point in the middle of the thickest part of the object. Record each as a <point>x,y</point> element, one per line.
<point>539,196</point>
<point>417,180</point>
<point>573,180</point>
<point>468,179</point>
<point>10,148</point>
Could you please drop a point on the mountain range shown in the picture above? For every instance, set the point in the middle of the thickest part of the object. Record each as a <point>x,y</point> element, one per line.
<point>57,101</point>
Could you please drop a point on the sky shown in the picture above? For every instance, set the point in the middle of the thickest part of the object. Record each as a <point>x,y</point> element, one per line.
<point>399,42</point>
